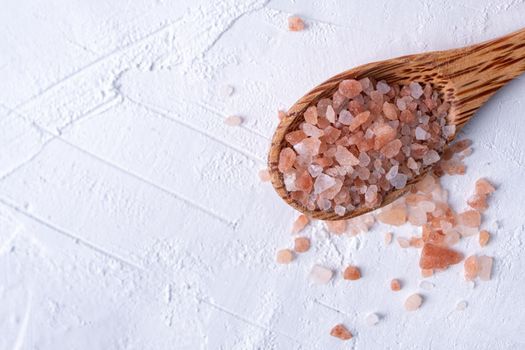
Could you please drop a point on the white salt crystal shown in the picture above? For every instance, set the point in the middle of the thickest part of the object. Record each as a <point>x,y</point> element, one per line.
<point>421,133</point>
<point>364,159</point>
<point>372,319</point>
<point>324,204</point>
<point>461,305</point>
<point>345,117</point>
<point>399,181</point>
<point>424,119</point>
<point>401,104</point>
<point>322,183</point>
<point>430,157</point>
<point>226,90</point>
<point>233,120</point>
<point>320,274</point>
<point>413,302</point>
<point>449,130</point>
<point>426,285</point>
<point>330,114</point>
<point>415,89</point>
<point>392,173</point>
<point>289,181</point>
<point>315,170</point>
<point>340,210</point>
<point>382,87</point>
<point>427,206</point>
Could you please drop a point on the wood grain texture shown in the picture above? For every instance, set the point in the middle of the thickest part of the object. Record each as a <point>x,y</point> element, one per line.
<point>465,77</point>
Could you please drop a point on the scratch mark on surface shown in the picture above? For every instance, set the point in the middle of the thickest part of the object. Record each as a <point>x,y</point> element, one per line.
<point>22,331</point>
<point>248,321</point>
<point>330,307</point>
<point>78,240</point>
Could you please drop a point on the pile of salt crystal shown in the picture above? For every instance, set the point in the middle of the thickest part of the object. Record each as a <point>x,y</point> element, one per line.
<point>366,140</point>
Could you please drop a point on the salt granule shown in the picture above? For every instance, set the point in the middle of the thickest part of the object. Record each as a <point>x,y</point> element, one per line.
<point>300,223</point>
<point>395,285</point>
<point>352,273</point>
<point>284,256</point>
<point>372,319</point>
<point>320,274</point>
<point>301,244</point>
<point>340,331</point>
<point>295,24</point>
<point>413,302</point>
<point>461,305</point>
<point>264,175</point>
<point>233,120</point>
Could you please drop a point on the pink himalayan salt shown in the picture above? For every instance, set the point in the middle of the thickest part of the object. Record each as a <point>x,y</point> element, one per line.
<point>427,272</point>
<point>483,187</point>
<point>388,238</point>
<point>330,114</point>
<point>320,274</point>
<point>470,218</point>
<point>436,257</point>
<point>295,24</point>
<point>484,237</point>
<point>471,266</point>
<point>311,115</point>
<point>352,273</point>
<point>300,223</point>
<point>284,256</point>
<point>359,120</point>
<point>264,175</point>
<point>478,202</point>
<point>391,149</point>
<point>395,285</point>
<point>350,88</point>
<point>485,267</point>
<point>403,242</point>
<point>413,302</point>
<point>301,244</point>
<point>340,331</point>
<point>338,227</point>
<point>286,159</point>
<point>345,157</point>
<point>393,215</point>
<point>233,120</point>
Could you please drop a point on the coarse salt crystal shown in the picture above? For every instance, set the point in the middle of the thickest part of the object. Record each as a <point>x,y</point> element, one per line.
<point>284,256</point>
<point>372,319</point>
<point>461,305</point>
<point>413,302</point>
<point>295,24</point>
<point>226,90</point>
<point>320,274</point>
<point>233,120</point>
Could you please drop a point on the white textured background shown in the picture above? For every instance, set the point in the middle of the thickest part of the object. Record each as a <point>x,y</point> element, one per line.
<point>132,218</point>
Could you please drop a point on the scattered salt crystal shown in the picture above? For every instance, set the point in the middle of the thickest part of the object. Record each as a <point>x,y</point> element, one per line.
<point>312,131</point>
<point>284,256</point>
<point>301,244</point>
<point>484,237</point>
<point>372,319</point>
<point>471,266</point>
<point>388,238</point>
<point>352,273</point>
<point>393,215</point>
<point>264,175</point>
<point>461,305</point>
<point>437,257</point>
<point>233,120</point>
<point>340,331</point>
<point>403,242</point>
<point>413,302</point>
<point>395,285</point>
<point>295,24</point>
<point>485,267</point>
<point>300,223</point>
<point>426,285</point>
<point>320,274</point>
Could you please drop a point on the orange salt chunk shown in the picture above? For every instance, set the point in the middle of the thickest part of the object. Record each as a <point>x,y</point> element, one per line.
<point>485,267</point>
<point>432,236</point>
<point>484,237</point>
<point>470,218</point>
<point>484,187</point>
<point>338,227</point>
<point>393,215</point>
<point>284,256</point>
<point>478,202</point>
<point>434,256</point>
<point>304,182</point>
<point>295,24</point>
<point>395,285</point>
<point>426,272</point>
<point>286,159</point>
<point>340,331</point>
<point>471,266</point>
<point>300,223</point>
<point>352,273</point>
<point>301,244</point>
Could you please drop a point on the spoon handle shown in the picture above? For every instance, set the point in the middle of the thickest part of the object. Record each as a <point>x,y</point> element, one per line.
<point>476,72</point>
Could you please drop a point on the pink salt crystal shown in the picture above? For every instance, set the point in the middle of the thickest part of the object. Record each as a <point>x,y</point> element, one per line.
<point>449,130</point>
<point>393,215</point>
<point>395,285</point>
<point>345,117</point>
<point>286,159</point>
<point>312,131</point>
<point>399,181</point>
<point>340,331</point>
<point>308,147</point>
<point>295,137</point>
<point>413,302</point>
<point>391,149</point>
<point>484,237</point>
<point>436,257</point>
<point>345,157</point>
<point>478,202</point>
<point>382,87</point>
<point>322,105</point>
<point>323,182</point>
<point>390,111</point>
<point>320,274</point>
<point>337,227</point>
<point>426,272</point>
<point>295,24</point>
<point>233,120</point>
<point>421,134</point>
<point>403,242</point>
<point>352,273</point>
<point>359,119</point>
<point>340,210</point>
<point>371,194</point>
<point>470,218</point>
<point>430,157</point>
<point>310,115</point>
<point>300,223</point>
<point>388,238</point>
<point>284,256</point>
<point>264,175</point>
<point>330,114</point>
<point>304,182</point>
<point>483,187</point>
<point>350,88</point>
<point>485,267</point>
<point>451,238</point>
<point>417,216</point>
<point>471,266</point>
<point>301,244</point>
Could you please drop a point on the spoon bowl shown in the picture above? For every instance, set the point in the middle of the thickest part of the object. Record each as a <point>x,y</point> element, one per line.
<point>465,77</point>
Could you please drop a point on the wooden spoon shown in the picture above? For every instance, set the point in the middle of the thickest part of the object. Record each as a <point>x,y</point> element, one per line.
<point>465,77</point>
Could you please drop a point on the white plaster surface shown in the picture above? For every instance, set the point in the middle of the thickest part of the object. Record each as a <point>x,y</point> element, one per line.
<point>131,217</point>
